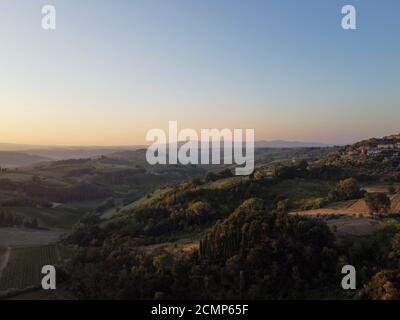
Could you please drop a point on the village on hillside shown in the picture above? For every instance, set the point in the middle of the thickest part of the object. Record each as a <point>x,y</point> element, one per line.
<point>387,147</point>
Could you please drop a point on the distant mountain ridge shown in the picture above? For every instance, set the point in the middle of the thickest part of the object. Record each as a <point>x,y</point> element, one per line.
<point>273,144</point>
<point>289,144</point>
<point>17,159</point>
<point>54,148</point>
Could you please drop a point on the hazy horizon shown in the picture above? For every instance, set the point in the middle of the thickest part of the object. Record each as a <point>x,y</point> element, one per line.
<point>146,143</point>
<point>113,71</point>
<point>23,146</point>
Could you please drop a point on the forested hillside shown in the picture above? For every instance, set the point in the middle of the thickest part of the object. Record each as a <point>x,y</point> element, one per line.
<point>180,232</point>
<point>220,236</point>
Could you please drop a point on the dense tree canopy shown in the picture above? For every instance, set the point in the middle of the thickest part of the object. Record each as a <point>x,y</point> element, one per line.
<point>377,203</point>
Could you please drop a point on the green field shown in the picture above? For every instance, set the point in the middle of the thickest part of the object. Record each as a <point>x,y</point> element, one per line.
<point>23,268</point>
<point>51,218</point>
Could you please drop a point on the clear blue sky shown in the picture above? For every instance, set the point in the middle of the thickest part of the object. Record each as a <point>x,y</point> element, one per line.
<point>114,69</point>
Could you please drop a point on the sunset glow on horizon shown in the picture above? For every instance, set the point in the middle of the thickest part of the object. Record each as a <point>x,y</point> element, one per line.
<point>112,71</point>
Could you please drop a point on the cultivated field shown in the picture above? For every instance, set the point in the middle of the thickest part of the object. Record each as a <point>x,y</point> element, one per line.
<point>4,254</point>
<point>349,225</point>
<point>359,207</point>
<point>22,268</point>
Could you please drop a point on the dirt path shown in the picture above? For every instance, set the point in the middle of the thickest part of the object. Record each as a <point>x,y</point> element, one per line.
<point>4,260</point>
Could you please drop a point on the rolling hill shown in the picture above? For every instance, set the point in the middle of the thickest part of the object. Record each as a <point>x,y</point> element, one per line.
<point>17,159</point>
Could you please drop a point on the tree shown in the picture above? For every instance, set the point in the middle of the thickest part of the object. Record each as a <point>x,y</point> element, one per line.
<point>226,173</point>
<point>346,189</point>
<point>211,176</point>
<point>378,203</point>
<point>162,262</point>
<point>395,254</point>
<point>195,182</point>
<point>381,287</point>
<point>283,205</point>
<point>303,165</point>
<point>198,208</point>
<point>391,189</point>
<point>257,175</point>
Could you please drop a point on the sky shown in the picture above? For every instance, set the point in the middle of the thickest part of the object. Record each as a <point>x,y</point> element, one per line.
<point>112,70</point>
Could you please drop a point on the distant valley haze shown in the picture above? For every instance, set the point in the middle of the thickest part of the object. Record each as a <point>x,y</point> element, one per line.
<point>15,155</point>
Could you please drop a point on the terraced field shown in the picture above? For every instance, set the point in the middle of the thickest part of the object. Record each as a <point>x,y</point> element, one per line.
<point>23,267</point>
